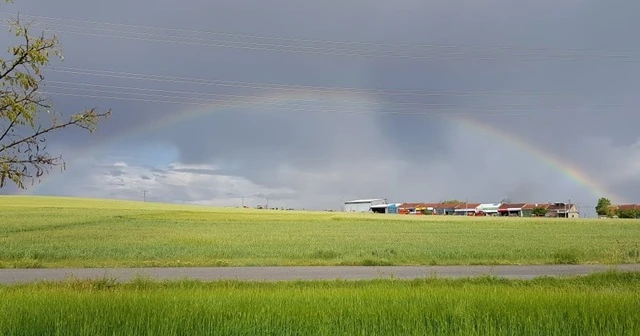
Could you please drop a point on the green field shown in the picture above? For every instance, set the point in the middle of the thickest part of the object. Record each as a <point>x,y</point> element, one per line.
<point>602,304</point>
<point>68,232</point>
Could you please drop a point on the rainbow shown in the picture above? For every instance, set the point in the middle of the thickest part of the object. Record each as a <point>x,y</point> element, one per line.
<point>277,102</point>
<point>340,102</point>
<point>566,168</point>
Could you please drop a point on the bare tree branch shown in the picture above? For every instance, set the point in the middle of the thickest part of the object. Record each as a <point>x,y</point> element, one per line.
<point>73,121</point>
<point>9,128</point>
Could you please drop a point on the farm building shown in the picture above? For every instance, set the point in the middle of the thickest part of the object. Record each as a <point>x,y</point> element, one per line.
<point>626,207</point>
<point>428,208</point>
<point>489,209</point>
<point>466,209</point>
<point>446,208</point>
<point>385,208</point>
<point>416,208</point>
<point>562,210</point>
<point>559,210</point>
<point>393,208</point>
<point>519,209</point>
<point>512,209</point>
<point>408,208</point>
<point>554,210</point>
<point>363,205</point>
<point>628,210</point>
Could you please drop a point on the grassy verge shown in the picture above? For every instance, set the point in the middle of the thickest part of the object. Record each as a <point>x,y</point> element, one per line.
<point>601,304</point>
<point>63,232</point>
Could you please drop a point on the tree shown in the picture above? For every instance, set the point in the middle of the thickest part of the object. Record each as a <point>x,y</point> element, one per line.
<point>539,211</point>
<point>603,208</point>
<point>23,150</point>
<point>628,213</point>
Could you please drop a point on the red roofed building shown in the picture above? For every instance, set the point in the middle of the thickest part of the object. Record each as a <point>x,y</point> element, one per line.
<point>446,208</point>
<point>466,209</point>
<point>511,209</point>
<point>519,209</point>
<point>632,210</point>
<point>628,207</point>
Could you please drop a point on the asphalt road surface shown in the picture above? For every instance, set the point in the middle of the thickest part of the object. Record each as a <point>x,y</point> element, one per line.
<point>8,276</point>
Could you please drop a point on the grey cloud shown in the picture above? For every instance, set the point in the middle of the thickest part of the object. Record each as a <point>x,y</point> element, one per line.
<point>197,171</point>
<point>324,156</point>
<point>116,172</point>
<point>526,191</point>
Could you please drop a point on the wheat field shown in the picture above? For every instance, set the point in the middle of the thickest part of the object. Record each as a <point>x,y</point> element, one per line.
<point>73,232</point>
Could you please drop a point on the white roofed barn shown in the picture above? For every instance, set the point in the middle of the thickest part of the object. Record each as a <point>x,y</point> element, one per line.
<point>363,205</point>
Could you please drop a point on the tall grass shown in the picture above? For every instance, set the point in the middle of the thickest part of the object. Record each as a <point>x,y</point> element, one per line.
<point>62,232</point>
<point>604,304</point>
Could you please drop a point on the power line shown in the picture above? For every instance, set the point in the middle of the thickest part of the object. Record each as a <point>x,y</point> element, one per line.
<point>218,43</point>
<point>318,41</point>
<point>291,87</point>
<point>301,103</point>
<point>151,37</point>
<point>199,101</point>
<point>203,97</point>
<point>264,107</point>
<point>347,53</point>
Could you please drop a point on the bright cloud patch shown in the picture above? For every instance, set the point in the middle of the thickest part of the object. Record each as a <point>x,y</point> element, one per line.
<point>177,183</point>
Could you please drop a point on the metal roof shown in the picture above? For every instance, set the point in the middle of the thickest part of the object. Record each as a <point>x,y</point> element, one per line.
<point>490,205</point>
<point>364,201</point>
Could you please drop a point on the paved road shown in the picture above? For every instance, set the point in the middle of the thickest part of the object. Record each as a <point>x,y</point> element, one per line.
<point>8,276</point>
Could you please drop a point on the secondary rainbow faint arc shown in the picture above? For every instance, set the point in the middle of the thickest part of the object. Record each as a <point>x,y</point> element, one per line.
<point>478,127</point>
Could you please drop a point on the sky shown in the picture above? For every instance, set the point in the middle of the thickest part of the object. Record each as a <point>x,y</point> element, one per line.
<point>307,105</point>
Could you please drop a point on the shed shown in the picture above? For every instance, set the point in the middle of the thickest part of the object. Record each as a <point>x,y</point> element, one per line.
<point>490,209</point>
<point>446,208</point>
<point>511,209</point>
<point>362,205</point>
<point>465,209</point>
<point>385,208</point>
<point>408,208</point>
<point>393,208</point>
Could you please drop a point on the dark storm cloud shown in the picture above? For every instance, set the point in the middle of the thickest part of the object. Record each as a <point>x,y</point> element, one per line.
<point>325,154</point>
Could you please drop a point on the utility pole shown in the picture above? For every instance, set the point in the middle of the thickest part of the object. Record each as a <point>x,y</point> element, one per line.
<point>466,206</point>
<point>267,198</point>
<point>243,202</point>
<point>144,195</point>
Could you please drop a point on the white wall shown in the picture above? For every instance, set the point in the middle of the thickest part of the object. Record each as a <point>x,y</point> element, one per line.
<point>357,207</point>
